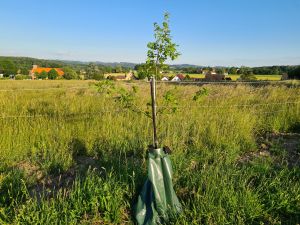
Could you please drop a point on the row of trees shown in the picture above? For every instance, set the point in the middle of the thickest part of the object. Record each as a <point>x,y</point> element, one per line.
<point>266,70</point>
<point>295,73</point>
<point>144,71</point>
<point>22,65</point>
<point>51,75</point>
<point>69,74</point>
<point>7,67</point>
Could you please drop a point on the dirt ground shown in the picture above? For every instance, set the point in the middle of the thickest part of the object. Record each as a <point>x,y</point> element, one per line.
<point>278,146</point>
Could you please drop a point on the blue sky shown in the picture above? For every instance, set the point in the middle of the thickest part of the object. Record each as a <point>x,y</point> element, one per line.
<point>209,32</point>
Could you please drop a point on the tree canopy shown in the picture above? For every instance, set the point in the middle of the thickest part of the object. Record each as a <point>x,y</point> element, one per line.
<point>69,73</point>
<point>142,71</point>
<point>42,75</point>
<point>162,48</point>
<point>52,74</point>
<point>7,67</point>
<point>295,73</point>
<point>94,72</point>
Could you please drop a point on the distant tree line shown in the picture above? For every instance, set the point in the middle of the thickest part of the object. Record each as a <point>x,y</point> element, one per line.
<point>264,70</point>
<point>51,75</point>
<point>293,71</point>
<point>73,70</point>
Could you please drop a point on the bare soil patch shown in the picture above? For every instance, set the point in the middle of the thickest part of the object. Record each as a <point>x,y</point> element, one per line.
<point>47,185</point>
<point>277,146</point>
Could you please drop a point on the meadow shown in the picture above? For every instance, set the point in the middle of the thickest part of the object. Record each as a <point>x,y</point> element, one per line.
<point>235,77</point>
<point>74,152</point>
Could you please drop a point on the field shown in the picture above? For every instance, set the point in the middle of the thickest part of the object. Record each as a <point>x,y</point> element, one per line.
<point>74,152</point>
<point>235,77</point>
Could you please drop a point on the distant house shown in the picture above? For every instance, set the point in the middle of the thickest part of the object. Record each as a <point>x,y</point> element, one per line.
<point>178,77</point>
<point>35,69</point>
<point>1,75</point>
<point>165,79</point>
<point>213,76</point>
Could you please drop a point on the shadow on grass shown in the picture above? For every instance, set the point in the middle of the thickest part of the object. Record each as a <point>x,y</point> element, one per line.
<point>104,158</point>
<point>295,127</point>
<point>124,171</point>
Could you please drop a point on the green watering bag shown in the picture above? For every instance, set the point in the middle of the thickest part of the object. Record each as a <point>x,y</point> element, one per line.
<point>157,201</point>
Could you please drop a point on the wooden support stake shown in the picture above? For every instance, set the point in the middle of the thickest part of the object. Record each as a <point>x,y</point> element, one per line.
<point>153,97</point>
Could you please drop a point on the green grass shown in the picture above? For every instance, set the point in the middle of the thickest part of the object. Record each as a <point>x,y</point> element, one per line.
<point>235,77</point>
<point>83,151</point>
<point>268,77</point>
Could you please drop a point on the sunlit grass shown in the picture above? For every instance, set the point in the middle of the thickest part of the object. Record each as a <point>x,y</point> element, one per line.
<point>235,77</point>
<point>51,129</point>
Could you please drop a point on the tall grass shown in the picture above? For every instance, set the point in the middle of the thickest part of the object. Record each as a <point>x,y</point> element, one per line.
<point>50,129</point>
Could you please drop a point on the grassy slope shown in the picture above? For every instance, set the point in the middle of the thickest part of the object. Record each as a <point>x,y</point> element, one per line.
<point>208,142</point>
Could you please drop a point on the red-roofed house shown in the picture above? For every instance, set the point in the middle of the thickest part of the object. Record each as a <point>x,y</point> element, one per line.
<point>178,77</point>
<point>213,76</point>
<point>35,69</point>
<point>165,79</point>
